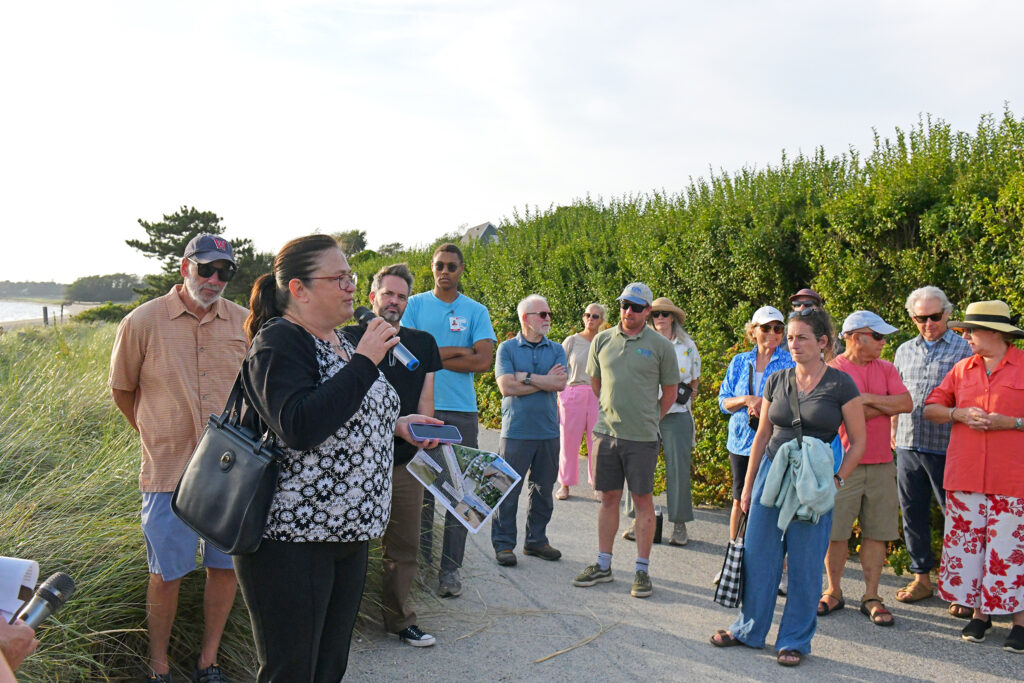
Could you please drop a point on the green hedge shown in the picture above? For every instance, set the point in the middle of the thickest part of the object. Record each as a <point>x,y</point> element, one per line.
<point>929,206</point>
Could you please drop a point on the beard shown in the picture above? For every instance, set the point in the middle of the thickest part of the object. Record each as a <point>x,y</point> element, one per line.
<point>204,296</point>
<point>392,315</point>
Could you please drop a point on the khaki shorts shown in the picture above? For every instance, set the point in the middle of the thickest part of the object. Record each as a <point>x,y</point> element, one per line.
<point>621,459</point>
<point>870,495</point>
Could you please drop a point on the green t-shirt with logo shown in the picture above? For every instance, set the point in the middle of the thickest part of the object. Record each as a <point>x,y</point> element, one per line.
<point>631,369</point>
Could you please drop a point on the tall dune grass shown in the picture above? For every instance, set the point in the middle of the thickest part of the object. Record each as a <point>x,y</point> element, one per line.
<point>69,500</point>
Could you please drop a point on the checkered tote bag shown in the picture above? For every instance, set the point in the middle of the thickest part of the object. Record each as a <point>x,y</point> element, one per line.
<point>730,585</point>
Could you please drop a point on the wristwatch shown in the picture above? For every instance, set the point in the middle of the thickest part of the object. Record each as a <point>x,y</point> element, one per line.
<point>1018,423</point>
<point>526,380</point>
<point>839,480</point>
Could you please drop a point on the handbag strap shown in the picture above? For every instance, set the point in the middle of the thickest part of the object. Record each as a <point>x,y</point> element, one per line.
<point>750,380</point>
<point>794,408</point>
<point>232,415</point>
<point>741,527</point>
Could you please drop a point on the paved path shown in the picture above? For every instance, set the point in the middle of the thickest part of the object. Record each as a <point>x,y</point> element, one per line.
<point>509,618</point>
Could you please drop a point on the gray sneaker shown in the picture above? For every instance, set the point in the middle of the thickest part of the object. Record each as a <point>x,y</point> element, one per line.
<point>592,575</point>
<point>449,584</point>
<point>642,586</point>
<point>679,536</point>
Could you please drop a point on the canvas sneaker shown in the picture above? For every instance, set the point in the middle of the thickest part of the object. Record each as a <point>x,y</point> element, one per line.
<point>592,575</point>
<point>642,586</point>
<point>211,674</point>
<point>415,637</point>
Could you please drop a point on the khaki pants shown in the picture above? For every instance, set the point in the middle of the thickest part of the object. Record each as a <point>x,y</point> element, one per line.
<point>400,544</point>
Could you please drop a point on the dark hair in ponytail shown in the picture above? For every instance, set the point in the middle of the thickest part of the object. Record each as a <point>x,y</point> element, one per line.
<point>270,295</point>
<point>821,326</point>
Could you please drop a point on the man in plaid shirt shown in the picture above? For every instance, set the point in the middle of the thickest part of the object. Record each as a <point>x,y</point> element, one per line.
<point>921,445</point>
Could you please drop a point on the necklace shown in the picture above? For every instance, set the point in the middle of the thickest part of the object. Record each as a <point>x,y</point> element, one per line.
<point>810,380</point>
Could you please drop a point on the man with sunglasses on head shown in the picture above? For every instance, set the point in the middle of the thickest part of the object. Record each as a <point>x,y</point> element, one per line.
<point>530,372</point>
<point>919,443</point>
<point>465,338</point>
<point>173,364</point>
<point>628,364</point>
<point>869,492</point>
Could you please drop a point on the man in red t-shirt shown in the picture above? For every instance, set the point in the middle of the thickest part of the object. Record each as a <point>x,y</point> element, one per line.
<point>869,493</point>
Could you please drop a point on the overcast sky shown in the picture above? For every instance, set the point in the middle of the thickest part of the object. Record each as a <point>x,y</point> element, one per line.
<point>410,119</point>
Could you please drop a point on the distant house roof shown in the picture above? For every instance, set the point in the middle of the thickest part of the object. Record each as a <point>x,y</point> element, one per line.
<point>487,233</point>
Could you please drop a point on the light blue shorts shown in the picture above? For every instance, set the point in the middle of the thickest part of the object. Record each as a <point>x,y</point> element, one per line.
<point>170,544</point>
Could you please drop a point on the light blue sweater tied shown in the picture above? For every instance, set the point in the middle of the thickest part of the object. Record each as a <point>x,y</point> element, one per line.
<point>800,482</point>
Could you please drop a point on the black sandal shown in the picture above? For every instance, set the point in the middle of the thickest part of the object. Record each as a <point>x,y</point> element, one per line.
<point>790,658</point>
<point>725,639</point>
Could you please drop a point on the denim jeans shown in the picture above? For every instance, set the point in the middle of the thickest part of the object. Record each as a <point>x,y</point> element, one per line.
<point>540,458</point>
<point>804,547</point>
<point>919,476</point>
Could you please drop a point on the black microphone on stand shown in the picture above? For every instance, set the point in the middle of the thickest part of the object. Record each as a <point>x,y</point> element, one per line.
<point>364,315</point>
<point>50,597</point>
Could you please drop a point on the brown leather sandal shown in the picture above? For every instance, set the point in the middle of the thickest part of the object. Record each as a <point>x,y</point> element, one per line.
<point>878,614</point>
<point>824,609</point>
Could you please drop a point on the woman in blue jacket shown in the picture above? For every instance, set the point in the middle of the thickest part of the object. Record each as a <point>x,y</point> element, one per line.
<point>740,394</point>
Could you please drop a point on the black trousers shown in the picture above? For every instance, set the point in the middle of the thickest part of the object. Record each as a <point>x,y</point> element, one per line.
<point>303,599</point>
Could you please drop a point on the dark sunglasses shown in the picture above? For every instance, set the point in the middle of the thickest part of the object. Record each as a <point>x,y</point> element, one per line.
<point>225,273</point>
<point>877,336</point>
<point>777,328</point>
<point>543,314</point>
<point>922,319</point>
<point>592,315</point>
<point>661,314</point>
<point>636,308</point>
<point>451,266</point>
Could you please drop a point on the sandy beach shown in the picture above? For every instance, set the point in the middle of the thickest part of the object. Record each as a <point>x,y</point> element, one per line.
<point>54,311</point>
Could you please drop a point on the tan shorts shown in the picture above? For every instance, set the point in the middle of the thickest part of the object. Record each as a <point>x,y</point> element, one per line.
<point>621,459</point>
<point>869,494</point>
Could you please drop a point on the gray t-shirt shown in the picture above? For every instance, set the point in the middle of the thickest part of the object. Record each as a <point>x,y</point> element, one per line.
<point>821,411</point>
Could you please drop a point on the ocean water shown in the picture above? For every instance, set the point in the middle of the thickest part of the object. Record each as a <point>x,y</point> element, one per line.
<point>24,310</point>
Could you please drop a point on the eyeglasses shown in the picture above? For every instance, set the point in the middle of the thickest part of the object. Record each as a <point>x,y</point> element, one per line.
<point>922,319</point>
<point>636,308</point>
<point>592,315</point>
<point>450,265</point>
<point>661,314</point>
<point>777,328</point>
<point>804,304</point>
<point>225,273</point>
<point>877,336</point>
<point>349,279</point>
<point>543,314</point>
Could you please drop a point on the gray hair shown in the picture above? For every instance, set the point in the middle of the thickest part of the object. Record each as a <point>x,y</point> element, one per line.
<point>398,270</point>
<point>525,303</point>
<point>928,292</point>
<point>599,307</point>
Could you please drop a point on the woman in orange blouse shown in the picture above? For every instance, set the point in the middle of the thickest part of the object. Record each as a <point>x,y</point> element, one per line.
<point>983,545</point>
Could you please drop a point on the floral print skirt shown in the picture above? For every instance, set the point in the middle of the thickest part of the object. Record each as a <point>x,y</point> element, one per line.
<point>983,552</point>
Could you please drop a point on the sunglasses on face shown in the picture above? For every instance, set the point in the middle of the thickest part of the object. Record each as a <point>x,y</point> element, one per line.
<point>661,314</point>
<point>440,266</point>
<point>922,319</point>
<point>636,308</point>
<point>225,273</point>
<point>542,314</point>
<point>804,304</point>
<point>877,336</point>
<point>777,328</point>
<point>592,315</point>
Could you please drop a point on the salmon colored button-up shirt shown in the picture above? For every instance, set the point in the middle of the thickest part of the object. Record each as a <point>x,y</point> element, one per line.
<point>982,461</point>
<point>182,370</point>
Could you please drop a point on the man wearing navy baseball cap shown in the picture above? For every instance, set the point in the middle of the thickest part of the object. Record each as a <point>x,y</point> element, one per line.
<point>174,361</point>
<point>628,364</point>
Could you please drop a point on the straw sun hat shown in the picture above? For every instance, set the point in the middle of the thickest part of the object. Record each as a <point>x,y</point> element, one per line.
<point>988,315</point>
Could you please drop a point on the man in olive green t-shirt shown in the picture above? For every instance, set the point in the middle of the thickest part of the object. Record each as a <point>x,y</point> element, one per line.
<point>628,364</point>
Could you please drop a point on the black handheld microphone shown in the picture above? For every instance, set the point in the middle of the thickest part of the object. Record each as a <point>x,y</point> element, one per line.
<point>50,597</point>
<point>364,315</point>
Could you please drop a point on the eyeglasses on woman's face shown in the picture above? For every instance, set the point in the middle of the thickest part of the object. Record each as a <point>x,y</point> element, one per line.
<point>661,314</point>
<point>775,328</point>
<point>344,281</point>
<point>589,316</point>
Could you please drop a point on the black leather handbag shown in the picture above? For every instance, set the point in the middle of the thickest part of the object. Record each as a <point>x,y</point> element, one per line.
<point>225,492</point>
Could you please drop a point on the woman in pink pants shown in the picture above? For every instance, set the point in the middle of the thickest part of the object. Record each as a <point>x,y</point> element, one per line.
<point>577,404</point>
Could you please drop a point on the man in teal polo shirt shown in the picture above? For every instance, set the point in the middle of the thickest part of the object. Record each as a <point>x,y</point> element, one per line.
<point>628,364</point>
<point>530,371</point>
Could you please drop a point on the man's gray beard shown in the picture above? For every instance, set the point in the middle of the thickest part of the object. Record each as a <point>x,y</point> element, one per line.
<point>197,296</point>
<point>391,316</point>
